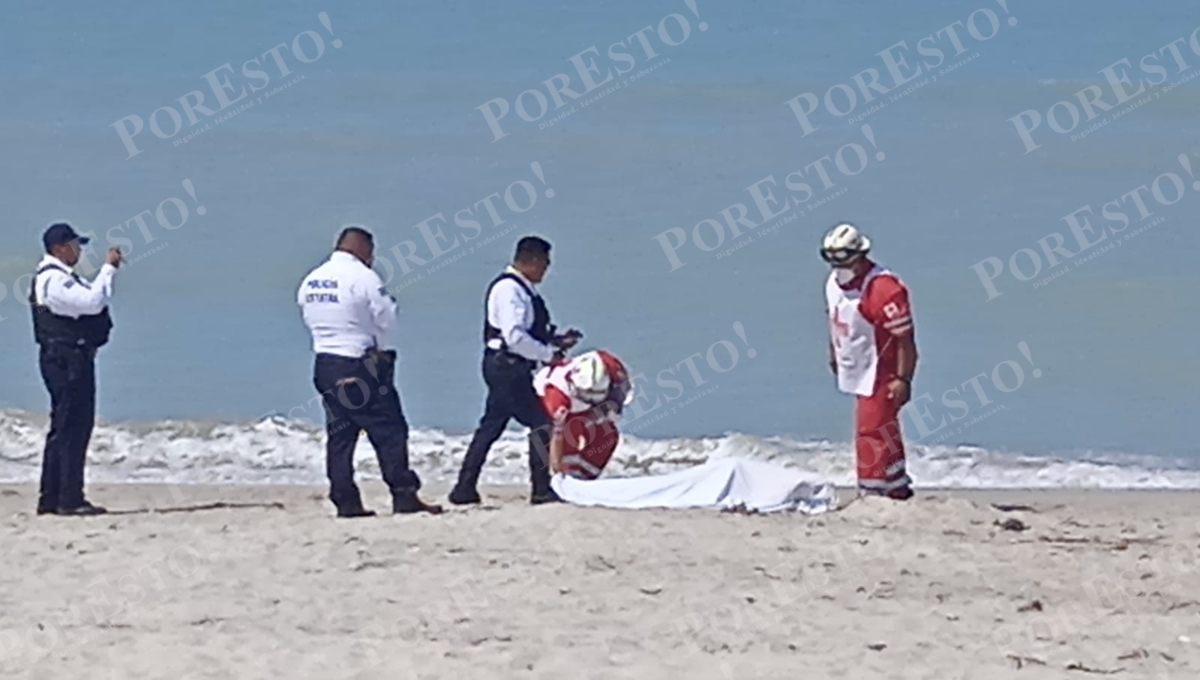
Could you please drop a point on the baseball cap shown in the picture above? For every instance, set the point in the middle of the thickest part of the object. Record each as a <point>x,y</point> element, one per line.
<point>62,233</point>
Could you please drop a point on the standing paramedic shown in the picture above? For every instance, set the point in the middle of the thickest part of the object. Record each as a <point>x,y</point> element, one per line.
<point>70,322</point>
<point>518,337</point>
<point>351,315</point>
<point>873,353</point>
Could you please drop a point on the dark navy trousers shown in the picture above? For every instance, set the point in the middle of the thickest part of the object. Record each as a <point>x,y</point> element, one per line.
<point>69,373</point>
<point>510,395</point>
<point>360,395</point>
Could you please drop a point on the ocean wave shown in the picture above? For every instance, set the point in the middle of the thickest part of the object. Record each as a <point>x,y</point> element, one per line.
<point>280,451</point>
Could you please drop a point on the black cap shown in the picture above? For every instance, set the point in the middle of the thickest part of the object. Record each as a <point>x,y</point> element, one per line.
<point>62,233</point>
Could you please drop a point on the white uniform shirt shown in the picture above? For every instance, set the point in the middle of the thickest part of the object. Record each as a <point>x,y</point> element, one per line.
<point>510,309</point>
<point>65,294</point>
<point>346,307</point>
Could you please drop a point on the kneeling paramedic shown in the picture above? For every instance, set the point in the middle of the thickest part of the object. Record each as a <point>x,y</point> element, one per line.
<point>584,397</point>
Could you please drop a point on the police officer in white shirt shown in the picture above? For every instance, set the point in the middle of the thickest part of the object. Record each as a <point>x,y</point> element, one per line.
<point>350,315</point>
<point>70,322</point>
<point>517,337</point>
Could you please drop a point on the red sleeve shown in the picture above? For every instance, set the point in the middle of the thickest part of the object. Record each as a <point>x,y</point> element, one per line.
<point>616,370</point>
<point>556,404</point>
<point>885,305</point>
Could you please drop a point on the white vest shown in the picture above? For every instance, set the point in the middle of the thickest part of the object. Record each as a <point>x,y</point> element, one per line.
<point>853,336</point>
<point>557,376</point>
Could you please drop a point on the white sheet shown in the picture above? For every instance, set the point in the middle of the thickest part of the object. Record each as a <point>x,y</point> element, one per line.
<point>720,483</point>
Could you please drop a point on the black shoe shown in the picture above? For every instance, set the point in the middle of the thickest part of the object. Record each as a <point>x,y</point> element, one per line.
<point>84,510</point>
<point>407,505</point>
<point>355,512</point>
<point>46,506</point>
<point>460,496</point>
<point>547,496</point>
<point>902,494</point>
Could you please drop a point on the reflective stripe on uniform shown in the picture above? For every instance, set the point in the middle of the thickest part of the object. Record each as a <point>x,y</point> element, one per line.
<point>581,463</point>
<point>899,326</point>
<point>884,484</point>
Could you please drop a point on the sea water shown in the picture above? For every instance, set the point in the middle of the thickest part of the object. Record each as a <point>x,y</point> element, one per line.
<point>1064,369</point>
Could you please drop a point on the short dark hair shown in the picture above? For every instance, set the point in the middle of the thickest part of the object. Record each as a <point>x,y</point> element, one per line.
<point>354,231</point>
<point>531,247</point>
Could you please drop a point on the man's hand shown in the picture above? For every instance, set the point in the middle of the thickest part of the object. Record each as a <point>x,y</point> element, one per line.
<point>113,256</point>
<point>899,391</point>
<point>556,449</point>
<point>568,339</point>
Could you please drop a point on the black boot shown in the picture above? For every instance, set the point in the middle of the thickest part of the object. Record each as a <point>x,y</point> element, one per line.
<point>86,509</point>
<point>349,503</point>
<point>464,496</point>
<point>410,503</point>
<point>544,496</point>
<point>46,505</point>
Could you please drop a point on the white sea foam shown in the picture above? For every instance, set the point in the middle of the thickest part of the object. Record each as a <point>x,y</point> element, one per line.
<point>276,450</point>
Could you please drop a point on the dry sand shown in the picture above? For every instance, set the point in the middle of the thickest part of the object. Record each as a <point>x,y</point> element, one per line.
<point>1098,582</point>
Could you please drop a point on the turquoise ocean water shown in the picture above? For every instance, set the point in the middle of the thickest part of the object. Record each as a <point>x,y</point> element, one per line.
<point>384,130</point>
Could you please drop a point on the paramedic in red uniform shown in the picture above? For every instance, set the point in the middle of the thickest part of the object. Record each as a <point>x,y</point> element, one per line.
<point>873,353</point>
<point>583,397</point>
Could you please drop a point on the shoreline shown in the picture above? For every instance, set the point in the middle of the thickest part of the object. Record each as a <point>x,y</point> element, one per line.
<point>505,493</point>
<point>290,451</point>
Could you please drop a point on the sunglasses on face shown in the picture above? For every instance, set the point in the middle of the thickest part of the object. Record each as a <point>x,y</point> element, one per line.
<point>621,395</point>
<point>840,256</point>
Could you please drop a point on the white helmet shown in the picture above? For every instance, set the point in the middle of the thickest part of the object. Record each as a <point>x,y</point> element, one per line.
<point>843,243</point>
<point>588,378</point>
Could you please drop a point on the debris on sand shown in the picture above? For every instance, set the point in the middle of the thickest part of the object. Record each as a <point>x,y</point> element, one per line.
<point>1076,666</point>
<point>1135,654</point>
<point>1013,507</point>
<point>1022,660</point>
<point>1035,606</point>
<point>1011,524</point>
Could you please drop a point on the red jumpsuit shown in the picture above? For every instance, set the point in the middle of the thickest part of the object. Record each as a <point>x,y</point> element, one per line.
<point>589,435</point>
<point>882,303</point>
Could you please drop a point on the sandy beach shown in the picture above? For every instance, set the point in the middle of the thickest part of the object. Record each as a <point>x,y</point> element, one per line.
<point>1077,583</point>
